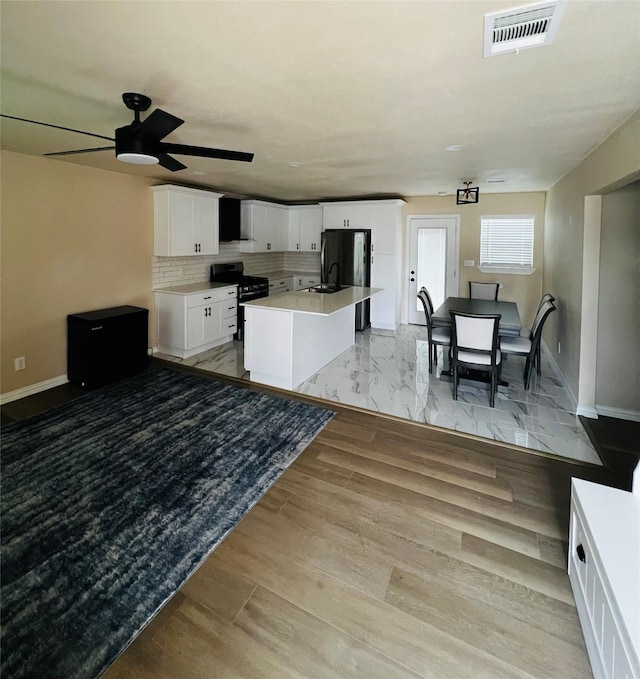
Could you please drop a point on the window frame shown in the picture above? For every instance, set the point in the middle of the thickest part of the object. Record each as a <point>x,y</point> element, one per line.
<point>517,269</point>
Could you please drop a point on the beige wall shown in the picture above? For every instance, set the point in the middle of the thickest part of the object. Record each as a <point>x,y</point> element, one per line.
<point>524,290</point>
<point>73,239</point>
<point>618,371</point>
<point>614,163</point>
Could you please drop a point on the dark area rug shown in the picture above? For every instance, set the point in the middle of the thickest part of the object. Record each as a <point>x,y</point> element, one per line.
<point>616,441</point>
<point>111,501</point>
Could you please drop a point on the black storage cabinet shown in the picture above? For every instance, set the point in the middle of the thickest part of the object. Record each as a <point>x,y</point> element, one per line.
<point>106,345</point>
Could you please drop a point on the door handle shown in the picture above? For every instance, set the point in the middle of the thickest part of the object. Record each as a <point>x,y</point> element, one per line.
<point>581,555</point>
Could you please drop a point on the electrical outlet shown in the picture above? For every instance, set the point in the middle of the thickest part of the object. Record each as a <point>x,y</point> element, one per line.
<point>19,363</point>
<point>469,262</point>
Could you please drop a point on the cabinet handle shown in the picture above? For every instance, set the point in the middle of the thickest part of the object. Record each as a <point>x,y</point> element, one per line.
<point>207,297</point>
<point>371,247</point>
<point>195,247</point>
<point>230,307</point>
<point>581,555</point>
<point>231,326</point>
<point>297,246</point>
<point>231,292</point>
<point>347,222</point>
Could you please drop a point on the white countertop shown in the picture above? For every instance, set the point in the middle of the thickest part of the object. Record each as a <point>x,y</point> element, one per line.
<point>194,287</point>
<point>322,304</point>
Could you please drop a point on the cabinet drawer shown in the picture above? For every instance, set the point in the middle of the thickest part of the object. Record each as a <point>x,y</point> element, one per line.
<point>229,325</point>
<point>229,309</point>
<point>211,296</point>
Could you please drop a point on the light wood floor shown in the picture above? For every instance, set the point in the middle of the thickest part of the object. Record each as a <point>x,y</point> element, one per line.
<point>387,550</point>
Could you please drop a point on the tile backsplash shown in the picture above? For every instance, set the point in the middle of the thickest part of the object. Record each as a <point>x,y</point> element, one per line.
<point>171,271</point>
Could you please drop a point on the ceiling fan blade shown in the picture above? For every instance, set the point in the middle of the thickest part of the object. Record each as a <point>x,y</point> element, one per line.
<point>156,126</point>
<point>58,127</point>
<point>71,153</point>
<point>204,152</point>
<point>170,163</point>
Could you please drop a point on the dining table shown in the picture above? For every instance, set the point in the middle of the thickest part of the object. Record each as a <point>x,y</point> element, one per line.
<point>509,324</point>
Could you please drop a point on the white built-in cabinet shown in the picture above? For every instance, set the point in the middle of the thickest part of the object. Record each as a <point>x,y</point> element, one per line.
<point>302,282</point>
<point>185,221</point>
<point>280,285</point>
<point>348,215</point>
<point>265,225</point>
<point>190,323</point>
<point>305,228</point>
<point>270,227</point>
<point>384,218</point>
<point>604,571</point>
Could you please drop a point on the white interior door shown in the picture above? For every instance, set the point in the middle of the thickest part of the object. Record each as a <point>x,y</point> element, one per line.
<point>434,248</point>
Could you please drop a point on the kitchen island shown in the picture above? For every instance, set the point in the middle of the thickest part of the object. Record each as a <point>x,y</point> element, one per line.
<point>291,336</point>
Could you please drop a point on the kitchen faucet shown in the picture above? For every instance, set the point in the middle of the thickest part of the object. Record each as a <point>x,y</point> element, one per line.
<point>337,283</point>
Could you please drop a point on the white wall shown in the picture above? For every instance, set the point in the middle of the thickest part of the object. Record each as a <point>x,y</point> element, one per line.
<point>618,353</point>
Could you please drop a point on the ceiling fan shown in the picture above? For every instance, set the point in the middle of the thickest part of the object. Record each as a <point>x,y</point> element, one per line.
<point>140,141</point>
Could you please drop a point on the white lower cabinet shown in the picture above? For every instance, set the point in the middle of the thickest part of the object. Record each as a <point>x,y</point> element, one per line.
<point>302,282</point>
<point>190,323</point>
<point>280,285</point>
<point>604,571</point>
<point>384,305</point>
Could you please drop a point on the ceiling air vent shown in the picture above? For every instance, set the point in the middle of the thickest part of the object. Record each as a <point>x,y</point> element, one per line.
<point>521,28</point>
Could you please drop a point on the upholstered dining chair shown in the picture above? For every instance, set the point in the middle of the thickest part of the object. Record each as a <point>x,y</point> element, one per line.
<point>424,291</point>
<point>529,347</point>
<point>547,297</point>
<point>483,290</point>
<point>436,336</point>
<point>475,345</point>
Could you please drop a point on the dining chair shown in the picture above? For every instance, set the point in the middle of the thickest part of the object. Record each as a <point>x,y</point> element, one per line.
<point>483,290</point>
<point>475,345</point>
<point>429,300</point>
<point>547,297</point>
<point>436,336</point>
<point>529,347</point>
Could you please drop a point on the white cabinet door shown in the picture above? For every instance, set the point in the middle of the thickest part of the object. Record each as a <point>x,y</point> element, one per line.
<point>293,240</point>
<point>356,215</point>
<point>384,229</point>
<point>334,216</point>
<point>277,229</point>
<point>185,221</point>
<point>253,225</point>
<point>206,224</point>
<point>383,304</point>
<point>310,227</point>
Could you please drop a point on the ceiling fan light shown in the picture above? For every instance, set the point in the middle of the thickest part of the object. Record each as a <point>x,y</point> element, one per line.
<point>138,158</point>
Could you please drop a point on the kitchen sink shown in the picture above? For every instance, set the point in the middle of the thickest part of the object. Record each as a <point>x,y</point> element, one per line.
<point>326,288</point>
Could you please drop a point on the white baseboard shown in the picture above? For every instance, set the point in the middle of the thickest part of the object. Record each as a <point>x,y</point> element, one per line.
<point>591,413</point>
<point>33,389</point>
<point>549,355</point>
<point>619,413</point>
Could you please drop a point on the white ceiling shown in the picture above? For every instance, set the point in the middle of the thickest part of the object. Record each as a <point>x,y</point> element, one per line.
<point>365,95</point>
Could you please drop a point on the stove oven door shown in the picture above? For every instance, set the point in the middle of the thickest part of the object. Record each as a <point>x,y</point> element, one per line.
<point>247,297</point>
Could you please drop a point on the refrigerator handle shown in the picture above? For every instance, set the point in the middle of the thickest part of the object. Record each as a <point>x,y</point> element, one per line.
<point>322,262</point>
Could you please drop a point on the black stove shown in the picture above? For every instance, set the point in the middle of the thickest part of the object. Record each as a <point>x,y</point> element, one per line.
<point>249,287</point>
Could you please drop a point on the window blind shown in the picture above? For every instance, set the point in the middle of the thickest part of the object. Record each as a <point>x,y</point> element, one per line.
<point>506,242</point>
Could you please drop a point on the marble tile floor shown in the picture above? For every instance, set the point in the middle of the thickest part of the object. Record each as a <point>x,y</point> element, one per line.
<point>388,372</point>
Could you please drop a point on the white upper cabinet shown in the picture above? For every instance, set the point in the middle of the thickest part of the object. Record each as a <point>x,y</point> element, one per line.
<point>266,225</point>
<point>385,228</point>
<point>185,221</point>
<point>352,215</point>
<point>305,227</point>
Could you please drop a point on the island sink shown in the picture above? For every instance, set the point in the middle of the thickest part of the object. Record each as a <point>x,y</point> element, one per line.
<point>326,288</point>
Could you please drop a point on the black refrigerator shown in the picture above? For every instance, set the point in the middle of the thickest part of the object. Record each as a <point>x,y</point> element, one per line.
<point>350,249</point>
